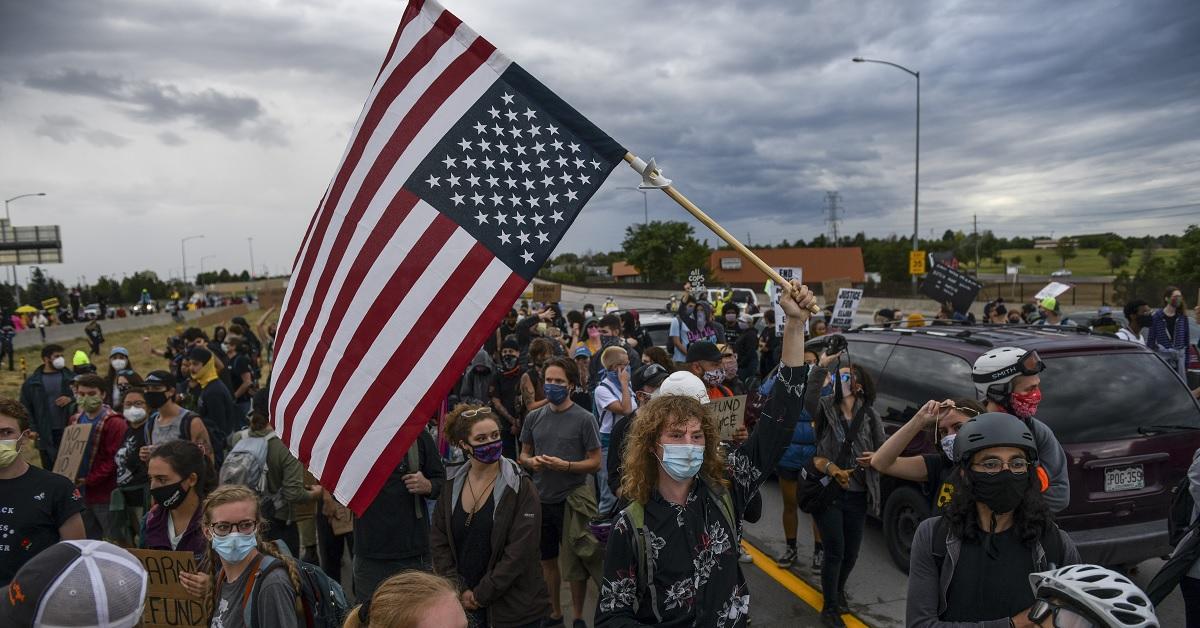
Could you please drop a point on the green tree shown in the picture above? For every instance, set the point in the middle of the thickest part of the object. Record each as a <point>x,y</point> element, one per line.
<point>1016,260</point>
<point>1187,262</point>
<point>664,251</point>
<point>1038,258</point>
<point>1116,251</point>
<point>1065,250</point>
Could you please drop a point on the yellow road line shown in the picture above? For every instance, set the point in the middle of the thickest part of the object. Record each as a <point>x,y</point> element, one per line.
<point>791,582</point>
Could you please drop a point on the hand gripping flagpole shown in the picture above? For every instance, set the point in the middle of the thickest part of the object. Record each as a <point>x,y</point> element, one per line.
<point>652,179</point>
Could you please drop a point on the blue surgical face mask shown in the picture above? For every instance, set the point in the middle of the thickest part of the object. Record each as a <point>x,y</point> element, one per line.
<point>682,462</point>
<point>556,393</point>
<point>827,390</point>
<point>234,547</point>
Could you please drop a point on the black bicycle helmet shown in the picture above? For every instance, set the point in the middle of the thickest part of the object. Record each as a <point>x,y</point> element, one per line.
<point>993,429</point>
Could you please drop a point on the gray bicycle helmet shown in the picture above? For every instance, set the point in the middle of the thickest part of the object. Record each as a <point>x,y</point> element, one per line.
<point>1101,593</point>
<point>993,429</point>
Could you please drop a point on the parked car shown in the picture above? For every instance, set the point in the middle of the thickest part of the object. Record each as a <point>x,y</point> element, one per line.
<point>1128,425</point>
<point>657,323</point>
<point>91,312</point>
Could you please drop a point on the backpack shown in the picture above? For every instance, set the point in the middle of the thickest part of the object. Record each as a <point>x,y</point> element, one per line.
<point>637,515</point>
<point>322,600</point>
<point>246,463</point>
<point>1051,542</point>
<point>1179,518</point>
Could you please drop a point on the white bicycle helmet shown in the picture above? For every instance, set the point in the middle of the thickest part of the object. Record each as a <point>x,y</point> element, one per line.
<point>995,370</point>
<point>1103,595</point>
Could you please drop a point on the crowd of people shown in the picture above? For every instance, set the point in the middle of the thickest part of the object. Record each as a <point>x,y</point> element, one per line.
<point>572,451</point>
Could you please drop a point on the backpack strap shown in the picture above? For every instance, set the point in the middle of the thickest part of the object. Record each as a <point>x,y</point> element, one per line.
<point>412,459</point>
<point>725,505</point>
<point>941,532</point>
<point>185,424</point>
<point>263,565</point>
<point>645,569</point>
<point>1052,546</point>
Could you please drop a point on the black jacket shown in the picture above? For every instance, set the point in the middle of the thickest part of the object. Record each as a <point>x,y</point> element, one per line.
<point>394,525</point>
<point>44,416</point>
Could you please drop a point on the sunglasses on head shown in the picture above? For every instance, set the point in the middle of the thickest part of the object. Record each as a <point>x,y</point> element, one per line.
<point>476,411</point>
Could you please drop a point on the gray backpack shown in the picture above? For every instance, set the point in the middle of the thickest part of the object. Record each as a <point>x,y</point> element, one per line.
<point>246,463</point>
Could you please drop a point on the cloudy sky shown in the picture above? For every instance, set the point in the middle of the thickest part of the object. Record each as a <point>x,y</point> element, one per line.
<point>147,121</point>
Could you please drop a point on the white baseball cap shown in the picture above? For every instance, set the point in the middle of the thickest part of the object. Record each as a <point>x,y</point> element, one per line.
<point>684,384</point>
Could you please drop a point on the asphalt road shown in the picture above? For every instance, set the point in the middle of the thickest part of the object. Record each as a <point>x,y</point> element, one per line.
<point>877,589</point>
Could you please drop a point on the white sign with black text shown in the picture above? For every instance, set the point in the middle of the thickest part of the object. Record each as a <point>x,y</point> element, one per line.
<point>788,273</point>
<point>845,308</point>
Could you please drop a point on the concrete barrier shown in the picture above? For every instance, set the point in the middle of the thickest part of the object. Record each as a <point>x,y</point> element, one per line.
<point>60,334</point>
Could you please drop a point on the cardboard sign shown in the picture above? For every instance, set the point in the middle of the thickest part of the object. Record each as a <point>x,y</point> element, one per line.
<point>845,307</point>
<point>830,287</point>
<point>788,273</point>
<point>943,284</point>
<point>1052,289</point>
<point>696,278</point>
<point>729,414</point>
<point>167,602</point>
<point>916,262</point>
<point>546,293</point>
<point>70,452</point>
<point>342,521</point>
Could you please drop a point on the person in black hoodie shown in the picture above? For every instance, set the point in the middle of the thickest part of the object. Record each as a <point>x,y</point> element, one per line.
<point>476,381</point>
<point>746,347</point>
<point>215,403</point>
<point>505,389</point>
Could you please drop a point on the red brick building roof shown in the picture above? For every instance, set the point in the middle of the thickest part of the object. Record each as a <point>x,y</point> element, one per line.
<point>819,264</point>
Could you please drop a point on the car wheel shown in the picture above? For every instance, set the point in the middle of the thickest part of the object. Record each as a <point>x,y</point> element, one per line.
<point>905,510</point>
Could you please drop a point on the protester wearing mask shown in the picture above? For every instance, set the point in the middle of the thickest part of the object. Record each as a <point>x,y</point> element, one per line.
<point>1169,333</point>
<point>561,446</point>
<point>477,380</point>
<point>178,474</point>
<point>729,317</point>
<point>841,522</point>
<point>745,344</point>
<point>36,505</point>
<point>1007,381</point>
<point>704,360</point>
<point>533,394</point>
<point>132,497</point>
<point>240,561</point>
<point>118,362</point>
<point>484,524</point>
<point>729,364</point>
<point>507,328</point>
<point>672,557</point>
<point>935,471</point>
<point>168,420</point>
<point>1137,320</point>
<point>582,396</point>
<point>49,400</point>
<point>615,400</point>
<point>241,371</point>
<point>505,390</point>
<point>214,402</point>
<point>1051,314</point>
<point>681,328</point>
<point>98,467</point>
<point>610,336</point>
<point>971,566</point>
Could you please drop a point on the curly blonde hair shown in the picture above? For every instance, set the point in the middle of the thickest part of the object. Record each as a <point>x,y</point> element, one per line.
<point>641,464</point>
<point>230,494</point>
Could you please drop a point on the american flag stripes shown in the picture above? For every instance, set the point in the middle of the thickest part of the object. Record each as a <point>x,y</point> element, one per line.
<point>461,176</point>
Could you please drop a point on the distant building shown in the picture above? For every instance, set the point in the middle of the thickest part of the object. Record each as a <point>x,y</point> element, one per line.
<point>1046,243</point>
<point>623,272</point>
<point>819,264</point>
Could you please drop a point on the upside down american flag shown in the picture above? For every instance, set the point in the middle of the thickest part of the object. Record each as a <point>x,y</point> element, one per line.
<point>461,176</point>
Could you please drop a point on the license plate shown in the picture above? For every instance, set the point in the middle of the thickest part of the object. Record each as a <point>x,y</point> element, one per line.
<point>1124,479</point>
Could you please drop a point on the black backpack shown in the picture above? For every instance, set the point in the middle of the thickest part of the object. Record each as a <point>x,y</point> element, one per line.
<point>1179,519</point>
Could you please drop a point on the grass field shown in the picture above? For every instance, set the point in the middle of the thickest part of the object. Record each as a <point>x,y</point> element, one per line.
<point>1086,262</point>
<point>139,350</point>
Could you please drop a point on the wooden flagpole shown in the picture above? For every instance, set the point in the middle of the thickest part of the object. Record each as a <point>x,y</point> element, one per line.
<point>720,231</point>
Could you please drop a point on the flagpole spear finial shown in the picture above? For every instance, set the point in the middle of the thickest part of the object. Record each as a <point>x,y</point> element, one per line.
<point>652,178</point>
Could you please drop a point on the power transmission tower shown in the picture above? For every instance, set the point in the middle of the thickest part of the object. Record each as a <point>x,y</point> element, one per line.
<point>833,212</point>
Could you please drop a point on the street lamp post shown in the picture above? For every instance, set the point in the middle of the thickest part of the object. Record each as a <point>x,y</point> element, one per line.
<point>916,153</point>
<point>183,254</point>
<point>16,290</point>
<point>251,242</point>
<point>645,204</point>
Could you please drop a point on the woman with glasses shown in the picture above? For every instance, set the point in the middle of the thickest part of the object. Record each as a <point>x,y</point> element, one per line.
<point>241,563</point>
<point>942,419</point>
<point>844,444</point>
<point>971,566</point>
<point>485,525</point>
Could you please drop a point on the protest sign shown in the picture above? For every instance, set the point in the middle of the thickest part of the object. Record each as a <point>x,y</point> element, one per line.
<point>167,602</point>
<point>729,413</point>
<point>830,287</point>
<point>1052,289</point>
<point>696,279</point>
<point>944,284</point>
<point>342,521</point>
<point>546,293</point>
<point>845,307</point>
<point>70,452</point>
<point>788,273</point>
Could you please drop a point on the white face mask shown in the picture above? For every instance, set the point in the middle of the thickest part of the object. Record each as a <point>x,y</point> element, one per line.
<point>135,415</point>
<point>119,364</point>
<point>59,363</point>
<point>948,445</point>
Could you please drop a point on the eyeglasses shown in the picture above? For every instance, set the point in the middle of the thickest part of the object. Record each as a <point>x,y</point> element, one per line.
<point>135,404</point>
<point>222,528</point>
<point>1063,617</point>
<point>992,466</point>
<point>476,411</point>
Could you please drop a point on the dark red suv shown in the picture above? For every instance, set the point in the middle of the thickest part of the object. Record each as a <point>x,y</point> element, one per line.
<point>1128,424</point>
